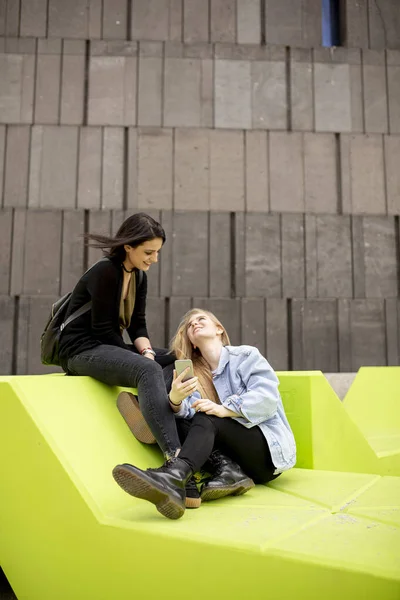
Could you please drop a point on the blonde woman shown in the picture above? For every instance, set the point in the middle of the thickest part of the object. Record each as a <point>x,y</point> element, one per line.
<point>236,418</point>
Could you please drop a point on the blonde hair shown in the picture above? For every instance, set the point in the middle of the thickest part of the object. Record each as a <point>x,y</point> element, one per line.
<point>183,348</point>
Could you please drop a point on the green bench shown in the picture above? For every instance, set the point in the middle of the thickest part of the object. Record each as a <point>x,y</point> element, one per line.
<point>68,532</point>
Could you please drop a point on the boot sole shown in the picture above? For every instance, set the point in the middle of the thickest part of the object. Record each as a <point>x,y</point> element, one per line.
<point>193,502</point>
<point>139,486</point>
<point>128,406</point>
<point>239,489</point>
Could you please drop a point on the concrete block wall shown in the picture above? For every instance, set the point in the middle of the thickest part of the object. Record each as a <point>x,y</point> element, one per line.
<point>273,164</point>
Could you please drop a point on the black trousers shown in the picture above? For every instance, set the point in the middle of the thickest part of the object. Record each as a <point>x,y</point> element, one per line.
<point>247,447</point>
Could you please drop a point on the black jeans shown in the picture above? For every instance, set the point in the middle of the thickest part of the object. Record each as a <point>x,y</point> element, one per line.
<point>247,447</point>
<point>127,368</point>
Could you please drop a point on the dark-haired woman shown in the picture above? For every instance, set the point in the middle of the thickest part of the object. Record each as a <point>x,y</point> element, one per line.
<point>93,345</point>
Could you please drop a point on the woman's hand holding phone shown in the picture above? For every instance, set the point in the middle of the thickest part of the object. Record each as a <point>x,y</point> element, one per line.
<point>182,389</point>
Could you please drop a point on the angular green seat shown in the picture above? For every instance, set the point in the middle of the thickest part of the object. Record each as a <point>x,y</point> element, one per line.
<point>373,404</point>
<point>67,531</point>
<point>343,436</point>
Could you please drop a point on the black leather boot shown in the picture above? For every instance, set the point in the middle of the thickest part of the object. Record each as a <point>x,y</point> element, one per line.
<point>164,486</point>
<point>228,478</point>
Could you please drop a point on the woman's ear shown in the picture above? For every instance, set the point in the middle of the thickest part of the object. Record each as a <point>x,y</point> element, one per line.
<point>126,247</point>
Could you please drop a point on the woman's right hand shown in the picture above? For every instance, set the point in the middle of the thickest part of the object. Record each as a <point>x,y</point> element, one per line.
<point>182,389</point>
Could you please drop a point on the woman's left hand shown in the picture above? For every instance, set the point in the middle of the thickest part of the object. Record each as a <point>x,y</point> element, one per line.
<point>211,408</point>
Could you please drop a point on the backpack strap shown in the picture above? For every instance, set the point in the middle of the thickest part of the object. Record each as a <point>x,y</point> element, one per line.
<point>76,314</point>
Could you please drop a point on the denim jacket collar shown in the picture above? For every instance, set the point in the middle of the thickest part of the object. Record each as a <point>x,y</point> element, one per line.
<point>223,361</point>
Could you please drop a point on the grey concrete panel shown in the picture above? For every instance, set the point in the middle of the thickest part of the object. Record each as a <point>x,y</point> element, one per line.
<point>100,223</point>
<point>18,251</point>
<point>182,92</point>
<point>190,254</point>
<point>334,265</point>
<point>72,249</point>
<point>112,90</point>
<point>301,89</point>
<point>393,76</point>
<point>150,85</point>
<point>155,156</point>
<point>47,88</point>
<point>201,50</point>
<point>155,320</point>
<point>195,21</point>
<point>233,94</point>
<point>293,256</point>
<point>358,247</point>
<point>17,166</point>
<point>355,23</point>
<point>220,255</point>
<point>191,169</point>
<point>253,323</point>
<point>131,167</point>
<point>175,25</point>
<point>315,329</point>
<point>72,19</point>
<point>16,95</point>
<point>392,314</point>
<point>9,18</point>
<point>276,332</point>
<point>380,255</point>
<point>73,82</point>
<point>226,170</point>
<point>384,24</point>
<point>320,173</point>
<point>263,256</point>
<point>2,160</point>
<point>344,334</point>
<point>6,226</point>
<point>53,171</point>
<point>166,254</point>
<point>7,310</point>
<point>356,98</point>
<point>248,21</point>
<point>311,256</point>
<point>375,98</point>
<point>332,97</point>
<point>257,176</point>
<point>223,21</point>
<point>367,341</point>
<point>207,93</point>
<point>176,309</point>
<point>95,25</point>
<point>150,20</point>
<point>293,23</point>
<point>42,252</point>
<point>32,317</point>
<point>89,167</point>
<point>33,20</point>
<point>239,257</point>
<point>112,187</point>
<point>367,176</point>
<point>115,19</point>
<point>269,107</point>
<point>286,156</point>
<point>392,173</point>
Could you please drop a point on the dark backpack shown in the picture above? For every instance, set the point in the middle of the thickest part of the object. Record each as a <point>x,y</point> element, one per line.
<point>50,338</point>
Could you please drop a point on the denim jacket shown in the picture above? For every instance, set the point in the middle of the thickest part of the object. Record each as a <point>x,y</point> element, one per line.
<point>246,384</point>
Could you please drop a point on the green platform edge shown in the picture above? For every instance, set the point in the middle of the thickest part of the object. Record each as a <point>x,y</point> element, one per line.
<point>68,532</point>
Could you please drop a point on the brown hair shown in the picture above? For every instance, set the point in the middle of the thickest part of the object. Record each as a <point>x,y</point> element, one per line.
<point>183,348</point>
<point>135,230</point>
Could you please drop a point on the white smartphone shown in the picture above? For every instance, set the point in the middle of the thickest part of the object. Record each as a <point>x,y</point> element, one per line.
<point>181,365</point>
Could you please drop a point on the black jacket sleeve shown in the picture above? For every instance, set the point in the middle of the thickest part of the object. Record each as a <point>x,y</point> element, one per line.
<point>138,328</point>
<point>104,287</point>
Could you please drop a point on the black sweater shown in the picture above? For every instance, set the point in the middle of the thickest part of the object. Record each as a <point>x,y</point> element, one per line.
<point>102,284</point>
